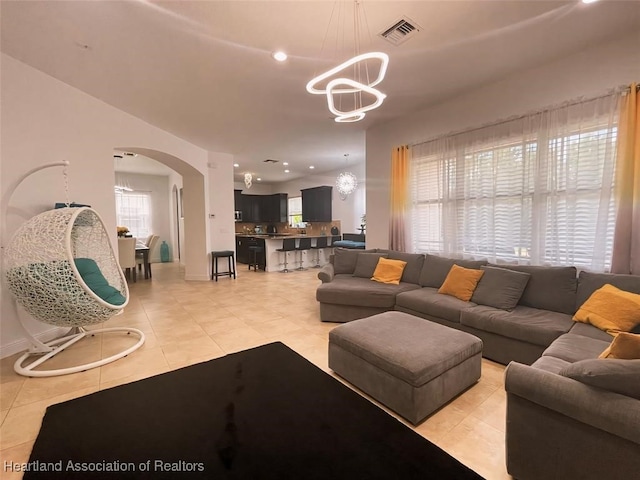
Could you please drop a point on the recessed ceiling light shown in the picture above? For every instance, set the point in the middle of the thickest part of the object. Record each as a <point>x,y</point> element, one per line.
<point>311,167</point>
<point>285,163</point>
<point>589,1</point>
<point>236,165</point>
<point>259,179</point>
<point>286,171</point>
<point>280,56</point>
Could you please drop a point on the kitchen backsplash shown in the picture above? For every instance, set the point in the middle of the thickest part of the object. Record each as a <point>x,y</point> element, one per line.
<point>312,229</point>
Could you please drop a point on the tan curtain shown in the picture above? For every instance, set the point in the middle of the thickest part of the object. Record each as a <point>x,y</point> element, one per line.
<point>626,241</point>
<point>399,198</point>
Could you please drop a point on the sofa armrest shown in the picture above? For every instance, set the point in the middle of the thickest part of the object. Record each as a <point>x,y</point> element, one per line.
<point>604,410</point>
<point>326,273</point>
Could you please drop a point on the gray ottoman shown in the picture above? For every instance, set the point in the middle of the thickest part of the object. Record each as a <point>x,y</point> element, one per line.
<point>411,365</point>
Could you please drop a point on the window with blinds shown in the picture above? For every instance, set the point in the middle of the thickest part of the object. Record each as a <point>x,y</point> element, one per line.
<point>541,196</point>
<point>133,210</point>
<point>295,211</point>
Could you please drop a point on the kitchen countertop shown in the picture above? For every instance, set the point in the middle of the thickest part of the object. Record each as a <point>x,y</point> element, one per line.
<point>278,236</point>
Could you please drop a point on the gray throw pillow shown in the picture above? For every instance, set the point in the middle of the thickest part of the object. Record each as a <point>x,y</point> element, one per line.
<point>345,260</point>
<point>415,261</point>
<point>366,264</point>
<point>436,269</point>
<point>619,376</point>
<point>549,288</point>
<point>500,288</point>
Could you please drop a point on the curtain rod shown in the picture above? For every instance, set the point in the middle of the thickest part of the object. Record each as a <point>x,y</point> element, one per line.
<point>619,89</point>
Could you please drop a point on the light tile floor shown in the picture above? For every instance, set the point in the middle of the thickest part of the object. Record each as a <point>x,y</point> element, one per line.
<point>190,322</point>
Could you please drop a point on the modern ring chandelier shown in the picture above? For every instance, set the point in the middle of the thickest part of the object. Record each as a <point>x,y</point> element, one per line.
<point>349,85</point>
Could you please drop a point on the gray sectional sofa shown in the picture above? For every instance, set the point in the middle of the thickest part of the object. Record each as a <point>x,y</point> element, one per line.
<point>569,414</point>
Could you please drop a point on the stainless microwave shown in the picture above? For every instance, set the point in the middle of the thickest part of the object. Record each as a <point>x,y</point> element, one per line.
<point>238,215</point>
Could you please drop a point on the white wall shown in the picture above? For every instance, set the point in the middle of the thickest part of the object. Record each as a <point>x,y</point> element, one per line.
<point>256,188</point>
<point>177,225</point>
<point>221,202</point>
<point>589,72</point>
<point>45,120</point>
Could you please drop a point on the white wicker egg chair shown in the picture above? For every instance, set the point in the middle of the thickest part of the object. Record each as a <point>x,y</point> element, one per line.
<point>62,270</point>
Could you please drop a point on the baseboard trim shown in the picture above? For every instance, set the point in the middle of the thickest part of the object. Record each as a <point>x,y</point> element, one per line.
<point>23,344</point>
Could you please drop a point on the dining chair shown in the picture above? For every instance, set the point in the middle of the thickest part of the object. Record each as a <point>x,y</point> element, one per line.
<point>127,256</point>
<point>151,242</point>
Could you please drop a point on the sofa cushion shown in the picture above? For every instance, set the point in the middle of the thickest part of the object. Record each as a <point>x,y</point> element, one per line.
<point>587,330</point>
<point>348,244</point>
<point>430,302</point>
<point>344,260</point>
<point>389,271</point>
<point>590,282</point>
<point>573,348</point>
<point>412,270</point>
<point>435,269</point>
<point>619,376</point>
<point>500,287</point>
<point>461,282</point>
<point>551,364</point>
<point>360,292</point>
<point>539,327</point>
<point>549,288</point>
<point>366,264</point>
<point>610,309</point>
<point>95,280</point>
<point>626,346</point>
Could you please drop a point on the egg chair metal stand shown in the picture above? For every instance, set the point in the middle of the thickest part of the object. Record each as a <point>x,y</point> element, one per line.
<point>61,268</point>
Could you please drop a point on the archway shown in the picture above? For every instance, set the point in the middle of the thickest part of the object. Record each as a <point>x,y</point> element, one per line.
<point>194,249</point>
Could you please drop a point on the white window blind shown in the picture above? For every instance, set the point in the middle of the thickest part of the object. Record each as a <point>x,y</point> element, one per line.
<point>295,211</point>
<point>535,190</point>
<point>133,210</point>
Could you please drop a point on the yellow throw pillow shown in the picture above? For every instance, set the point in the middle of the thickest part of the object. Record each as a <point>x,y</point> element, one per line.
<point>626,346</point>
<point>461,282</point>
<point>389,271</point>
<point>610,309</point>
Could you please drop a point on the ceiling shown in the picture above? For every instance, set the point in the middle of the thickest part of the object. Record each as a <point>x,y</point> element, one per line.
<point>202,70</point>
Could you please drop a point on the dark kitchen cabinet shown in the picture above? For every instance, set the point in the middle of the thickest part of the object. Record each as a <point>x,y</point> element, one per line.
<point>263,208</point>
<point>278,208</point>
<point>244,255</point>
<point>237,200</point>
<point>251,208</point>
<point>316,204</point>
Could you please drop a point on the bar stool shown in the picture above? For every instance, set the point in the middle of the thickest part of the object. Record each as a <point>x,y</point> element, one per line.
<point>214,264</point>
<point>288,245</point>
<point>321,244</point>
<point>254,248</point>
<point>303,246</point>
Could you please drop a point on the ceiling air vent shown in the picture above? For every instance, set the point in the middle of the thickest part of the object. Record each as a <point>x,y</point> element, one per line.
<point>270,160</point>
<point>401,31</point>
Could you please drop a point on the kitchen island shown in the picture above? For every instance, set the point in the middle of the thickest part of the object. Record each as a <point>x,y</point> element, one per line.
<point>270,260</point>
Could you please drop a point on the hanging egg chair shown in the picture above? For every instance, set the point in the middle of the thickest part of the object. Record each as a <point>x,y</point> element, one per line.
<point>62,270</point>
